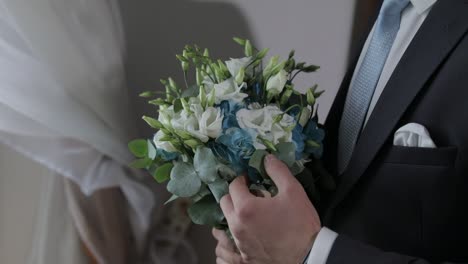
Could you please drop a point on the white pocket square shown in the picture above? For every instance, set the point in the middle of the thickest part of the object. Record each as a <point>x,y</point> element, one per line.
<point>413,135</point>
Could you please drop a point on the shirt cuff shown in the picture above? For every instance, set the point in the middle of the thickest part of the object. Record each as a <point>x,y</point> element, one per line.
<point>322,247</point>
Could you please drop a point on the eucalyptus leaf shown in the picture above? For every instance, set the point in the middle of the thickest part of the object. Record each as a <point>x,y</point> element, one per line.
<point>206,212</point>
<point>286,152</point>
<point>173,198</point>
<point>138,147</point>
<point>141,163</point>
<point>204,191</point>
<point>163,172</point>
<point>219,188</point>
<point>151,150</point>
<point>184,180</point>
<point>256,161</point>
<point>206,165</point>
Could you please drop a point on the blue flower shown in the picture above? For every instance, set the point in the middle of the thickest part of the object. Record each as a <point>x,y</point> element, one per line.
<point>229,109</point>
<point>235,147</point>
<point>298,140</point>
<point>314,133</point>
<point>165,155</point>
<point>258,90</point>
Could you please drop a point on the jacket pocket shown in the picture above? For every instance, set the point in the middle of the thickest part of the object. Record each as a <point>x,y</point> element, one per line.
<point>439,157</point>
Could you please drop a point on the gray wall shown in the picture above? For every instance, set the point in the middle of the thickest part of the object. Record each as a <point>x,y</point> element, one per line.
<point>319,30</point>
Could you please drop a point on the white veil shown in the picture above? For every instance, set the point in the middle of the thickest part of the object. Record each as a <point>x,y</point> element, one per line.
<point>63,100</point>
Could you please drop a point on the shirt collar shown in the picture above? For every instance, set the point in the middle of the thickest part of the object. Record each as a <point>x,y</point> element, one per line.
<point>422,6</point>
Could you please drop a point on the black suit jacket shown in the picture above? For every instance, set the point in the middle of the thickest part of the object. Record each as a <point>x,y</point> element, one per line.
<point>401,204</point>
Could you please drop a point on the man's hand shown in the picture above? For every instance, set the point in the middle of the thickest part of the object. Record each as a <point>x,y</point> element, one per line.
<point>274,230</point>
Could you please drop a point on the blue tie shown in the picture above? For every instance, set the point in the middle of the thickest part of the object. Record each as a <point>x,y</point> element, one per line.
<point>360,94</point>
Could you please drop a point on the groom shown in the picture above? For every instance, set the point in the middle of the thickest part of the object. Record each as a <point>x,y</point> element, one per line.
<point>397,201</point>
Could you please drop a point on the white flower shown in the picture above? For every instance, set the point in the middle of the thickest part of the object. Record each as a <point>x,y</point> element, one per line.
<point>210,123</point>
<point>201,124</point>
<point>261,122</point>
<point>234,65</point>
<point>164,145</point>
<point>227,90</point>
<point>275,84</point>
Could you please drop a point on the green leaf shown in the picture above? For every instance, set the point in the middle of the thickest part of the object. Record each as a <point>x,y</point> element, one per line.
<point>173,198</point>
<point>248,50</point>
<point>158,101</point>
<point>138,147</point>
<point>163,172</point>
<point>184,180</point>
<point>192,91</point>
<point>153,122</point>
<point>178,105</point>
<point>240,41</point>
<point>206,212</point>
<point>262,54</point>
<point>141,163</point>
<point>148,94</point>
<point>206,165</point>
<point>151,150</point>
<point>286,152</point>
<point>256,161</point>
<point>219,188</point>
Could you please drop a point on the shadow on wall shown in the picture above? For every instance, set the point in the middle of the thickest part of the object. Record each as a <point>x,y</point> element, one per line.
<point>158,30</point>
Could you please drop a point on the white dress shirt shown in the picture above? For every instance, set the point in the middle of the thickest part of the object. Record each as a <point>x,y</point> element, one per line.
<point>411,20</point>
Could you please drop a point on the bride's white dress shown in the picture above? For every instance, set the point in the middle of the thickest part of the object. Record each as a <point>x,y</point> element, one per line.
<point>63,99</point>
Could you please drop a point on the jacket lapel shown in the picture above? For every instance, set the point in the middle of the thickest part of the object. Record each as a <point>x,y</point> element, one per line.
<point>442,30</point>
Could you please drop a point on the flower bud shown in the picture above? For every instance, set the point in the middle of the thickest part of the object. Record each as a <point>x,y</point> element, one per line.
<point>305,116</point>
<point>248,49</point>
<point>310,97</point>
<point>286,95</point>
<point>275,84</point>
<point>199,76</point>
<point>240,76</point>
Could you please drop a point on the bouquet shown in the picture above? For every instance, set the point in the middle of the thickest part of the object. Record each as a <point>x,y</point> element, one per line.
<point>223,125</point>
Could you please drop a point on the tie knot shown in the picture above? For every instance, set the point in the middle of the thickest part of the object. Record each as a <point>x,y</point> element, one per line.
<point>393,7</point>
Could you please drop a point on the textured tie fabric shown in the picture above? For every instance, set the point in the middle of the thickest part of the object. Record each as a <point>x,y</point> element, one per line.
<point>360,94</point>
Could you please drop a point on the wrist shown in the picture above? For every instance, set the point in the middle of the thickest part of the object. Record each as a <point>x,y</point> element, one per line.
<point>310,245</point>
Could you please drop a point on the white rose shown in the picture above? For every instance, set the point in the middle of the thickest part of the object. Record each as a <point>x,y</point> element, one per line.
<point>210,123</point>
<point>164,145</point>
<point>234,65</point>
<point>287,121</point>
<point>261,122</point>
<point>185,121</point>
<point>275,84</point>
<point>227,90</point>
<point>201,124</point>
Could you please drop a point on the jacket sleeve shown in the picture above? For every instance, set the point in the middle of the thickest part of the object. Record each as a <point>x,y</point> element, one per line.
<point>349,251</point>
